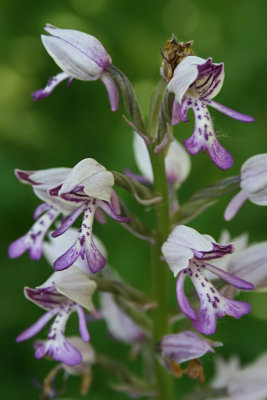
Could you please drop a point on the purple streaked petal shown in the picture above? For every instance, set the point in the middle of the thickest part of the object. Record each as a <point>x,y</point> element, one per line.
<point>230,113</point>
<point>112,91</point>
<point>40,210</point>
<point>68,258</point>
<point>51,85</point>
<point>237,201</point>
<point>218,251</point>
<point>181,297</point>
<point>25,176</point>
<point>210,79</point>
<point>33,240</point>
<point>232,279</point>
<point>19,246</point>
<point>206,321</point>
<point>175,113</point>
<point>67,223</point>
<point>82,324</point>
<point>109,210</point>
<point>235,308</point>
<point>45,297</point>
<point>63,352</point>
<point>219,155</point>
<point>96,261</point>
<point>37,326</point>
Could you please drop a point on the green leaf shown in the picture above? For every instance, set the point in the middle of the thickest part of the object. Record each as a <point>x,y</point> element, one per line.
<point>203,199</point>
<point>140,192</point>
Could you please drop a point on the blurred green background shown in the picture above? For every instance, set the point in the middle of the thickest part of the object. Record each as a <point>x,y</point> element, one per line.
<point>77,122</point>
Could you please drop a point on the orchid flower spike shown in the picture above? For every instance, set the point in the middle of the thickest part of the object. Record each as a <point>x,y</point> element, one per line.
<point>177,162</point>
<point>71,192</point>
<point>189,253</point>
<point>80,56</point>
<point>195,83</point>
<point>61,295</point>
<point>182,347</point>
<point>253,185</point>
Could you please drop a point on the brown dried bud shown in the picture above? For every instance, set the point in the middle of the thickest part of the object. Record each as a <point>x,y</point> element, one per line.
<point>174,53</point>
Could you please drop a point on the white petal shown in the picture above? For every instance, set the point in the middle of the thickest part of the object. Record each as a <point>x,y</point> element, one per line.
<point>259,198</point>
<point>251,264</point>
<point>86,43</point>
<point>184,75</point>
<point>97,181</point>
<point>188,237</point>
<point>254,173</point>
<point>142,157</point>
<point>51,177</point>
<point>76,286</point>
<point>177,257</point>
<point>178,164</point>
<point>71,60</point>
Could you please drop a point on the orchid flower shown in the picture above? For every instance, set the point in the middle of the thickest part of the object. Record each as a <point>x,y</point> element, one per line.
<point>61,295</point>
<point>184,346</point>
<point>189,253</point>
<point>253,185</point>
<point>80,56</point>
<point>120,325</point>
<point>195,83</point>
<point>72,192</point>
<point>177,162</point>
<point>247,383</point>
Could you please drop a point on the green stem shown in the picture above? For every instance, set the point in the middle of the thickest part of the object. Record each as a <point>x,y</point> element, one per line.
<point>160,272</point>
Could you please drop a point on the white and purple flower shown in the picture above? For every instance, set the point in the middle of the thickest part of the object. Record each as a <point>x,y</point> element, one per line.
<point>195,83</point>
<point>80,56</point>
<point>120,325</point>
<point>71,192</point>
<point>253,177</point>
<point>189,253</point>
<point>61,295</point>
<point>177,162</point>
<point>241,383</point>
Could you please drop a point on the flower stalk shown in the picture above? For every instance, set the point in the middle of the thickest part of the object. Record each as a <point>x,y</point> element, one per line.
<point>159,270</point>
